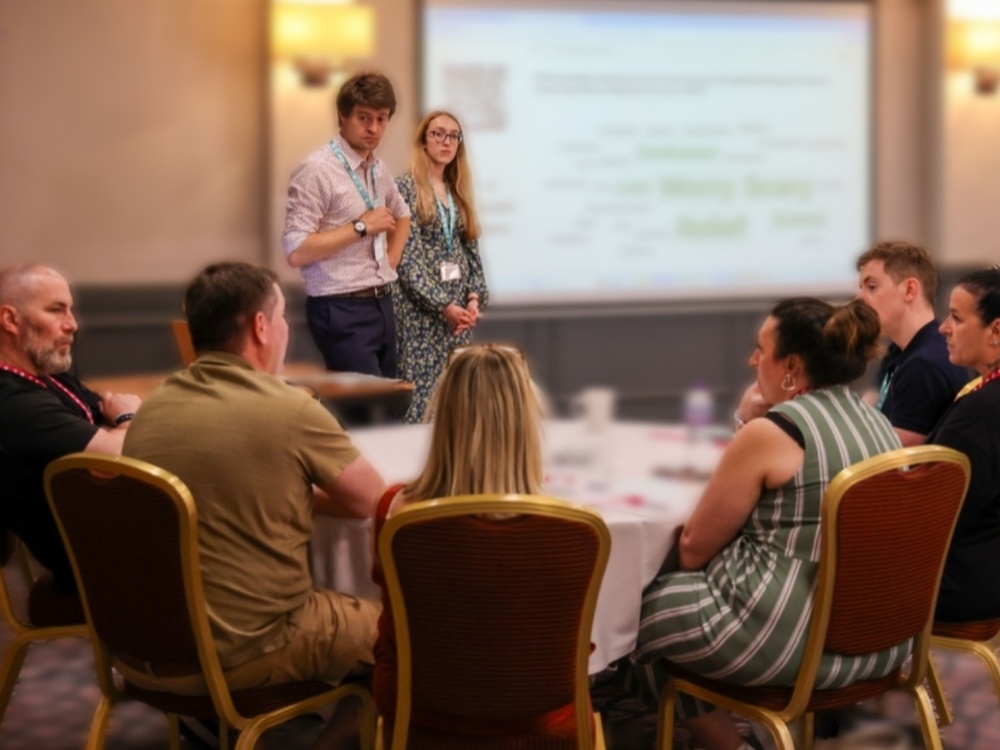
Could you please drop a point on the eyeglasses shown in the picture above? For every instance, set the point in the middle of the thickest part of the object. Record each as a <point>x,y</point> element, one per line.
<point>442,137</point>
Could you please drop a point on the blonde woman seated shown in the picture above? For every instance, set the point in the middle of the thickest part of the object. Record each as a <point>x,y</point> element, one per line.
<point>485,439</point>
<point>738,610</point>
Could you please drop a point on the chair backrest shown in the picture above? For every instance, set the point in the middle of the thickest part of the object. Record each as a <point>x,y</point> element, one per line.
<point>493,613</point>
<point>130,529</point>
<point>185,347</point>
<point>887,523</point>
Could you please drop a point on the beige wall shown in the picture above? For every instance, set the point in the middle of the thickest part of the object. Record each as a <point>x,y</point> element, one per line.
<point>131,135</point>
<point>902,129</point>
<point>134,135</point>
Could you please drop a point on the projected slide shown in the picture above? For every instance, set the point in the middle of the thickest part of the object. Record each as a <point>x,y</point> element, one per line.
<point>659,150</point>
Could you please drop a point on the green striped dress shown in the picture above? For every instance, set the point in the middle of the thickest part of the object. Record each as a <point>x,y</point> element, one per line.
<point>744,618</point>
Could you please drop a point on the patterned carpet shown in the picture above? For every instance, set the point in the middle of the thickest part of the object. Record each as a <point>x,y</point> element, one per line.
<point>56,695</point>
<point>631,726</point>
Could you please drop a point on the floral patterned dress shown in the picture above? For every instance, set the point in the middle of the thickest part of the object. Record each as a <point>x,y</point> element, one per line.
<point>424,337</point>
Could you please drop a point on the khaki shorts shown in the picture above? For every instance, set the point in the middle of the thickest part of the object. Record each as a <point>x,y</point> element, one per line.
<point>331,636</point>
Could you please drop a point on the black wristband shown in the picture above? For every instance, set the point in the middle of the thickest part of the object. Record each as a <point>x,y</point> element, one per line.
<point>123,418</point>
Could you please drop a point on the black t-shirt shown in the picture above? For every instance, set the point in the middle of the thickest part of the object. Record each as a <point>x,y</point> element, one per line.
<point>923,382</point>
<point>37,425</point>
<point>970,587</point>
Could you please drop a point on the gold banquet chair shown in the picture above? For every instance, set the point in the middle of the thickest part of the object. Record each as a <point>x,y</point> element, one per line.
<point>50,614</point>
<point>492,621</point>
<point>886,526</point>
<point>979,638</point>
<point>131,530</point>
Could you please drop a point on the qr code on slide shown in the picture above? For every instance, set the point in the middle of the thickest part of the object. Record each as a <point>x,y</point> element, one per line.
<point>479,93</point>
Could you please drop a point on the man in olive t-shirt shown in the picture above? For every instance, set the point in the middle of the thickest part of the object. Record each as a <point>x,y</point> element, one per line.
<point>259,456</point>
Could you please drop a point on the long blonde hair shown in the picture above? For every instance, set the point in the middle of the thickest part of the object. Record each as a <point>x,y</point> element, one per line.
<point>456,176</point>
<point>486,435</point>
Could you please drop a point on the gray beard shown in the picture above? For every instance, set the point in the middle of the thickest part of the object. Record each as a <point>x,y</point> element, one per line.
<point>48,362</point>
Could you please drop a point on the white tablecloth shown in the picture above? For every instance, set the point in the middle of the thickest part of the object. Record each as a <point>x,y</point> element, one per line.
<point>624,474</point>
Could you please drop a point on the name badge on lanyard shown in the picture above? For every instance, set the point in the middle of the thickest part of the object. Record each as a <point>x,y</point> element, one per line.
<point>450,271</point>
<point>371,201</point>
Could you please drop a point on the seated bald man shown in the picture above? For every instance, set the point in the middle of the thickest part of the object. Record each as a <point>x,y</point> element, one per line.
<point>45,412</point>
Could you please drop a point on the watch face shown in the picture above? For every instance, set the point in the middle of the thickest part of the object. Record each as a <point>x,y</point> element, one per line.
<point>359,227</point>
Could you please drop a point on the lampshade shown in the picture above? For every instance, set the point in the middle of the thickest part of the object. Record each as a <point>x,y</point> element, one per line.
<point>973,41</point>
<point>301,30</point>
<point>972,44</point>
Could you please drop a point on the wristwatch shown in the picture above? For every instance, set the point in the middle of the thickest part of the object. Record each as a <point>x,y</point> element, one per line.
<point>360,228</point>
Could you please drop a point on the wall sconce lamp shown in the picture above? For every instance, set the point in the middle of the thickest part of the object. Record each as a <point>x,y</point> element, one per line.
<point>973,41</point>
<point>319,37</point>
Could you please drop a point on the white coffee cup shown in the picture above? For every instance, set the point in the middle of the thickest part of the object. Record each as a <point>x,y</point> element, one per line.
<point>596,406</point>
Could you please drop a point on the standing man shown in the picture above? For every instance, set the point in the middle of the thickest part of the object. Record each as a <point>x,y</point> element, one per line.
<point>916,382</point>
<point>45,412</point>
<point>345,228</point>
<point>259,456</point>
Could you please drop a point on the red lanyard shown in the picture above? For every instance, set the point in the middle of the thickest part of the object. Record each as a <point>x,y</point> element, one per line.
<point>38,381</point>
<point>986,379</point>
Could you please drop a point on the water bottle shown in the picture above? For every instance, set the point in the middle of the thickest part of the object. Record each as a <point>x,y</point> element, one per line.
<point>699,412</point>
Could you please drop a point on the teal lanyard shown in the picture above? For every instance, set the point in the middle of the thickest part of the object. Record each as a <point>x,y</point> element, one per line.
<point>449,222</point>
<point>883,390</point>
<point>354,178</point>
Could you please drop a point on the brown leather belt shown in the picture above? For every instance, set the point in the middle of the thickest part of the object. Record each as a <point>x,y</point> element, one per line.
<point>372,291</point>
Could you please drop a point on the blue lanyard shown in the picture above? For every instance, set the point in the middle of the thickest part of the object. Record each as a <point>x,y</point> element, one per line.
<point>883,390</point>
<point>449,222</point>
<point>354,178</point>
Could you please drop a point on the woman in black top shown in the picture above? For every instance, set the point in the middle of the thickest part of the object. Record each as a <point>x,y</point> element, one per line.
<point>970,587</point>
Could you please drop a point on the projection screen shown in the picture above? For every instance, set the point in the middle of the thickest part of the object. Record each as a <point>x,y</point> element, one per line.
<point>660,150</point>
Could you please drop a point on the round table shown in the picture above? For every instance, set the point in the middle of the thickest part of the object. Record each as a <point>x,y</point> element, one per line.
<point>643,479</point>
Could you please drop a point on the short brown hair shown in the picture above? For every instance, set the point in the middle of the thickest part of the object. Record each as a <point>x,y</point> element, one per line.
<point>221,302</point>
<point>368,90</point>
<point>902,260</point>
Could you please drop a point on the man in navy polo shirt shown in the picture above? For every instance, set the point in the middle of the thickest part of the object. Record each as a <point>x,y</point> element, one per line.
<point>916,382</point>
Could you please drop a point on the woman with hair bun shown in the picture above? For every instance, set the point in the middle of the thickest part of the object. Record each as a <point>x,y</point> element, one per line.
<point>738,608</point>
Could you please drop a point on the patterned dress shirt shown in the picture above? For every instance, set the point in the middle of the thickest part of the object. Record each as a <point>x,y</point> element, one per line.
<point>322,196</point>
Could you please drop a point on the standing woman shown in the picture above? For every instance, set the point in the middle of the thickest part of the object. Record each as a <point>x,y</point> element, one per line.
<point>441,274</point>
